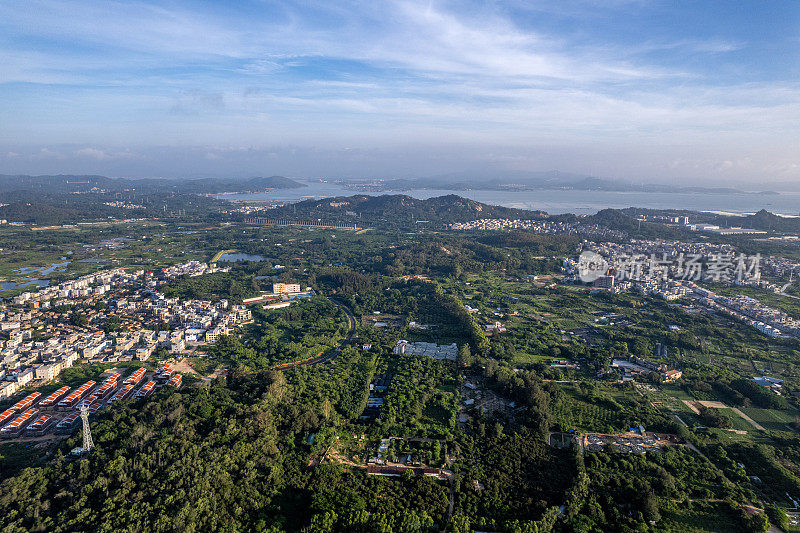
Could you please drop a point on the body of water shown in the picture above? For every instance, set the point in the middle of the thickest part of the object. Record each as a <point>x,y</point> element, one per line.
<point>39,271</point>
<point>559,201</point>
<point>11,285</point>
<point>233,257</point>
<point>43,271</point>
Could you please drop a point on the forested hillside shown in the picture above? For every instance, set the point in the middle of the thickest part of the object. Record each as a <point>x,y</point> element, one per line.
<point>399,210</point>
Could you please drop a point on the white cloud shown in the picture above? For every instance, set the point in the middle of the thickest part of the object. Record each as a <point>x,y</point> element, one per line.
<point>92,153</point>
<point>47,153</point>
<point>371,74</point>
<point>104,154</point>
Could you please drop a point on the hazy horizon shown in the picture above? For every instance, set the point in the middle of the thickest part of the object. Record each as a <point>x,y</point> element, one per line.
<point>703,94</point>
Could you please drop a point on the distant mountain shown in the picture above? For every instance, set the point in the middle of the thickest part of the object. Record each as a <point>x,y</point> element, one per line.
<point>617,220</point>
<point>217,185</point>
<point>766,221</point>
<point>763,220</point>
<point>785,186</point>
<point>404,212</point>
<point>398,209</point>
<point>42,213</point>
<point>539,180</point>
<point>90,183</point>
<point>43,207</point>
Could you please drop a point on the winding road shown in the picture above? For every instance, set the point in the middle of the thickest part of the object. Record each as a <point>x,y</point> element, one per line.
<point>351,321</point>
<point>324,357</point>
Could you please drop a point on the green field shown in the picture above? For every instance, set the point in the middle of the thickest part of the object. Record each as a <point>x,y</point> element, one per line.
<point>771,418</point>
<point>698,517</point>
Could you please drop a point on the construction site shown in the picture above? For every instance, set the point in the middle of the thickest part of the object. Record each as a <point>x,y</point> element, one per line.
<point>60,412</point>
<point>634,441</point>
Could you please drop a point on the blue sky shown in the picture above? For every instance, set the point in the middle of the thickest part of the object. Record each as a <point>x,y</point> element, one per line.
<point>632,89</point>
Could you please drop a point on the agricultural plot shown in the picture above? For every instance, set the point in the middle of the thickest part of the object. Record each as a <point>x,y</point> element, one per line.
<point>666,402</point>
<point>736,421</point>
<point>602,411</point>
<point>772,419</point>
<point>699,517</point>
<point>580,416</point>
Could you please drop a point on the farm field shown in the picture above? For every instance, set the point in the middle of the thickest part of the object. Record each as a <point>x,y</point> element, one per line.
<point>772,419</point>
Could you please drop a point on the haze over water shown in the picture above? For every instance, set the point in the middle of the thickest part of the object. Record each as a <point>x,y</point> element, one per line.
<point>557,201</point>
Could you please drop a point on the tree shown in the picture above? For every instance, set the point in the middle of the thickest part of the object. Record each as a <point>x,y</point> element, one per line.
<point>78,319</point>
<point>778,517</point>
<point>465,355</point>
<point>326,409</point>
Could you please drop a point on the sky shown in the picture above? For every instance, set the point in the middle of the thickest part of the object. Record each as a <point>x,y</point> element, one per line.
<point>704,92</point>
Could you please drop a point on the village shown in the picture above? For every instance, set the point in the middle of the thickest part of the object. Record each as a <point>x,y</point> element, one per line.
<point>44,339</point>
<point>59,412</point>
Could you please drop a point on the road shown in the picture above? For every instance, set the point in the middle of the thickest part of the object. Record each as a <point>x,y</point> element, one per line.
<point>351,321</point>
<point>320,357</point>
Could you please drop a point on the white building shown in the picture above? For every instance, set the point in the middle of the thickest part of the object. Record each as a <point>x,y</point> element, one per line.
<point>428,349</point>
<point>285,288</point>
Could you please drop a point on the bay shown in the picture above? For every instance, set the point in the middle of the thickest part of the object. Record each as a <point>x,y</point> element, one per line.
<point>558,201</point>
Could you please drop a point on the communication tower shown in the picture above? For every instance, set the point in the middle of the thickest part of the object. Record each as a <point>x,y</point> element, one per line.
<point>88,445</point>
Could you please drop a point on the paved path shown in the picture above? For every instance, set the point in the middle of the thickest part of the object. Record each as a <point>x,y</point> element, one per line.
<point>690,404</point>
<point>753,422</point>
<point>680,420</point>
<point>220,254</point>
<point>720,405</point>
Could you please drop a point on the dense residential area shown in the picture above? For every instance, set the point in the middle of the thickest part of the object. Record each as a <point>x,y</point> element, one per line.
<point>48,334</point>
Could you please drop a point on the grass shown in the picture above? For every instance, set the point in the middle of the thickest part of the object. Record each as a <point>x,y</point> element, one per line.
<point>203,365</point>
<point>729,437</point>
<point>671,401</point>
<point>772,419</point>
<point>574,413</point>
<point>736,421</point>
<point>526,358</point>
<point>699,517</point>
<point>676,391</point>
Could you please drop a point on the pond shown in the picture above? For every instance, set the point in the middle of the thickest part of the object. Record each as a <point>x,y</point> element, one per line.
<point>43,271</point>
<point>233,257</point>
<point>38,281</point>
<point>11,285</point>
